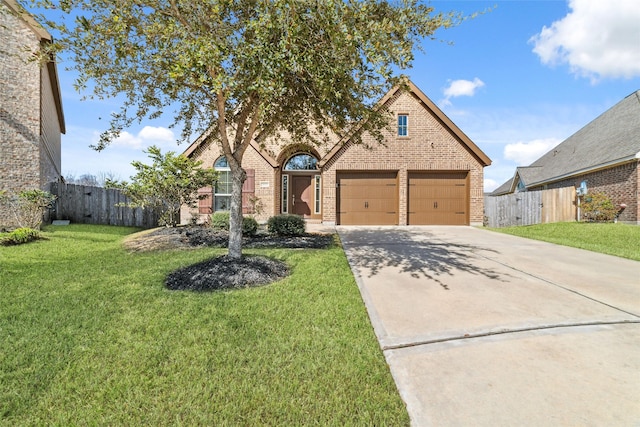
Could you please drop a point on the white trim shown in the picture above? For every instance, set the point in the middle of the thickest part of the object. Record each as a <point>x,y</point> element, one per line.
<point>317,194</point>
<point>406,126</point>
<point>284,197</point>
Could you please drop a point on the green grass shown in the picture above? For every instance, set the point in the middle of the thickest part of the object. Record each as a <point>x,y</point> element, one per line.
<point>621,240</point>
<point>90,336</point>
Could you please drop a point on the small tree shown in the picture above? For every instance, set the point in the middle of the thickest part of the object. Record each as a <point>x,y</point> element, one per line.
<point>171,181</point>
<point>598,207</point>
<point>28,206</point>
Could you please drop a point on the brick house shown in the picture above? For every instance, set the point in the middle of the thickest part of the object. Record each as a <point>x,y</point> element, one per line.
<point>603,157</point>
<point>31,116</point>
<point>427,172</point>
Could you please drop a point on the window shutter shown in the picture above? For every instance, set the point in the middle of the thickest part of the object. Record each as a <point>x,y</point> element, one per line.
<point>248,191</point>
<point>205,204</point>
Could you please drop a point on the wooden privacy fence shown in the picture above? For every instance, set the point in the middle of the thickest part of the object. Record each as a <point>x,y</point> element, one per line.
<point>531,207</point>
<point>96,205</point>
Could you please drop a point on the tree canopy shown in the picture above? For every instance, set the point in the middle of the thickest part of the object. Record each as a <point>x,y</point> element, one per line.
<point>239,68</point>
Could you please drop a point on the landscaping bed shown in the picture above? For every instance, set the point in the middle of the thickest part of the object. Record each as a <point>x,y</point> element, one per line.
<point>199,236</point>
<point>221,272</point>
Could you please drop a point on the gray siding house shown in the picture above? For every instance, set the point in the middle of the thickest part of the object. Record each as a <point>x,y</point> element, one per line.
<point>603,157</point>
<point>31,115</point>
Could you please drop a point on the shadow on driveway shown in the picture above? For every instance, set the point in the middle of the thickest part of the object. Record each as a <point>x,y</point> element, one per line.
<point>419,255</point>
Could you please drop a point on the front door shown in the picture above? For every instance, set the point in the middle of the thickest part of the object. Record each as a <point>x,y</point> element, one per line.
<point>301,195</point>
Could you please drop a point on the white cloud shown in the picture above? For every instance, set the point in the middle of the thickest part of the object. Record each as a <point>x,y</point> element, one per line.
<point>525,153</point>
<point>127,140</point>
<point>461,88</point>
<point>149,135</point>
<point>159,134</point>
<point>597,39</point>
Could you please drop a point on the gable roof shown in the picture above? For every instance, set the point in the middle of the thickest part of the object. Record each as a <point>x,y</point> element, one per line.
<point>204,138</point>
<point>428,103</point>
<point>52,69</point>
<point>610,139</point>
<point>432,107</point>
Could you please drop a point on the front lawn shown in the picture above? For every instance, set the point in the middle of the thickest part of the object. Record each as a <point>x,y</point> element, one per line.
<point>90,336</point>
<point>622,240</point>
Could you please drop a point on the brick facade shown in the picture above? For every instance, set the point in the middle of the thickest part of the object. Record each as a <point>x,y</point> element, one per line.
<point>30,109</point>
<point>621,183</point>
<point>266,185</point>
<point>431,145</point>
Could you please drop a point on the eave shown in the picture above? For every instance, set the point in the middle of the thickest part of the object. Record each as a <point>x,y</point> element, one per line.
<point>608,165</point>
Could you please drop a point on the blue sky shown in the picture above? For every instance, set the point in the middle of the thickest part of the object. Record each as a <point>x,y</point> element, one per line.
<point>517,80</point>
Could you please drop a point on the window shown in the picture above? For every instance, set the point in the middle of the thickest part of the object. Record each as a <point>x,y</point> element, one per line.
<point>317,194</point>
<point>222,194</point>
<point>403,125</point>
<point>301,162</point>
<point>285,193</point>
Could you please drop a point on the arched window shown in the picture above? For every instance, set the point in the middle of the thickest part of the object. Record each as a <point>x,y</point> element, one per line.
<point>301,162</point>
<point>222,194</point>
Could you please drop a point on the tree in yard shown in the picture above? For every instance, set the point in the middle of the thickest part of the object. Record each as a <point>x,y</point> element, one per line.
<point>171,181</point>
<point>28,206</point>
<point>243,68</point>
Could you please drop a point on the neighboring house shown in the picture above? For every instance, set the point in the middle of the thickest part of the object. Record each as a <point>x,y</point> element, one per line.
<point>427,172</point>
<point>603,157</point>
<point>31,117</point>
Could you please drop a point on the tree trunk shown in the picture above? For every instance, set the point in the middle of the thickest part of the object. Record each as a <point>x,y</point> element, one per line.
<point>238,176</point>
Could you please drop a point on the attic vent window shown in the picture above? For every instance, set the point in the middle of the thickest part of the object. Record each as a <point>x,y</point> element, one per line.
<point>403,125</point>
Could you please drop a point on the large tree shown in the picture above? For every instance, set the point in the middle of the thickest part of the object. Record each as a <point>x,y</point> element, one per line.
<point>242,68</point>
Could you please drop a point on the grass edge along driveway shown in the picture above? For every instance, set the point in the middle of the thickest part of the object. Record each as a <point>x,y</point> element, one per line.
<point>621,240</point>
<point>90,336</point>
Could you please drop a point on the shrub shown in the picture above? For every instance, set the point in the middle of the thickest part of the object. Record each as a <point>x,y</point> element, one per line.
<point>597,207</point>
<point>286,225</point>
<point>249,226</point>
<point>20,236</point>
<point>28,206</point>
<point>220,221</point>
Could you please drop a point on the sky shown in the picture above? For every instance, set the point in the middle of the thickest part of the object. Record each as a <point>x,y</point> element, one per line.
<point>518,80</point>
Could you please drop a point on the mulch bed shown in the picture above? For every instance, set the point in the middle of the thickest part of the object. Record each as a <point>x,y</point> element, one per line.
<point>221,272</point>
<point>199,237</point>
<point>225,273</point>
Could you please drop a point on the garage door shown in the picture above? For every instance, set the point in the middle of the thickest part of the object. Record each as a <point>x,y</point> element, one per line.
<point>440,198</point>
<point>368,198</point>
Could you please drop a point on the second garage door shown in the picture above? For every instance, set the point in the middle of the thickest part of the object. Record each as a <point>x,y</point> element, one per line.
<point>438,198</point>
<point>367,198</point>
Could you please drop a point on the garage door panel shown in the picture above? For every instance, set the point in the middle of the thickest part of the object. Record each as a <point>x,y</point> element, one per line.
<point>438,198</point>
<point>367,198</point>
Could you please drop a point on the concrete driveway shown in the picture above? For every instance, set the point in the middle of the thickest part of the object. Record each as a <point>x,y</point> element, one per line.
<point>485,329</point>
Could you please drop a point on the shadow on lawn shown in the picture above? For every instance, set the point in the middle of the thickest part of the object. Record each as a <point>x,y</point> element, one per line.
<point>417,254</point>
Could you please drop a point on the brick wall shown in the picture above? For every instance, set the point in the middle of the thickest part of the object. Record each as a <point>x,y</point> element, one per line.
<point>266,184</point>
<point>621,183</point>
<point>429,146</point>
<point>19,108</point>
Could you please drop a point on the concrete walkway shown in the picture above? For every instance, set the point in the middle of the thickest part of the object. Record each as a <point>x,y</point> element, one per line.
<point>485,329</point>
